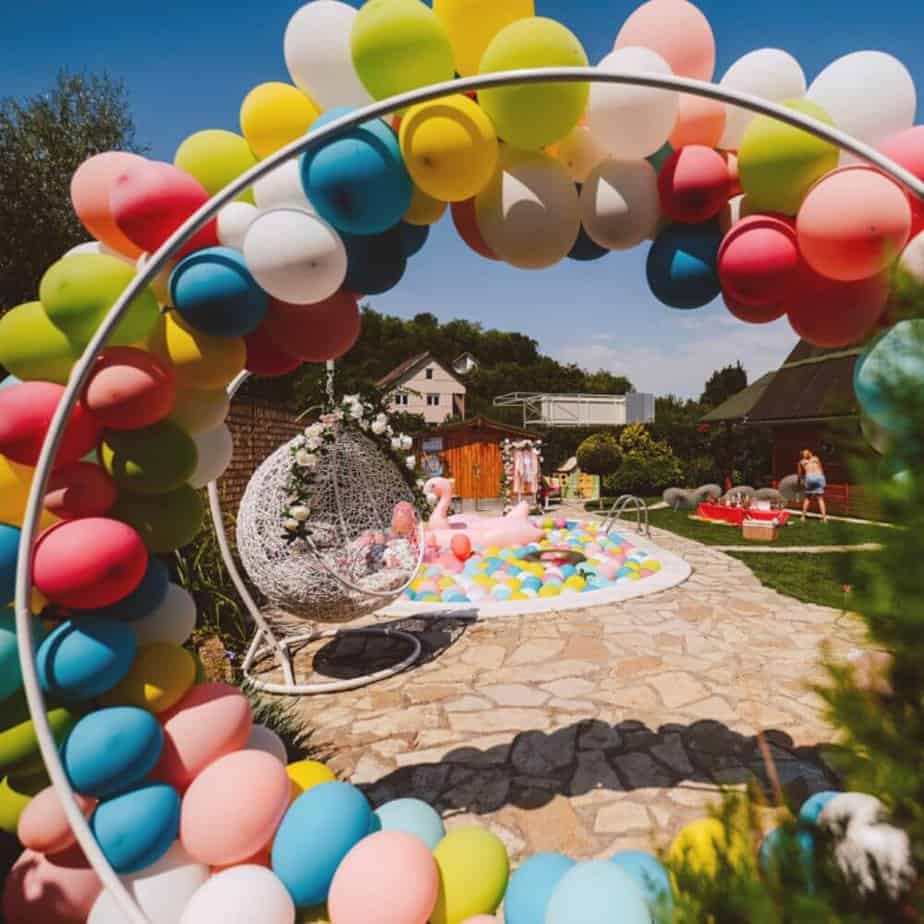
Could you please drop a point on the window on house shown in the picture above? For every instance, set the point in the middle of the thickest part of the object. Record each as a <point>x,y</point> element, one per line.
<point>433,400</point>
<point>401,398</point>
<point>429,373</point>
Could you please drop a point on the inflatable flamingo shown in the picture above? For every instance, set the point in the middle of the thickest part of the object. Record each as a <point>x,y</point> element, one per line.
<point>515,528</point>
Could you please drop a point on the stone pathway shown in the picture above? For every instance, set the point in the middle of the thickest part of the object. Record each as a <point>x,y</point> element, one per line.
<point>597,730</point>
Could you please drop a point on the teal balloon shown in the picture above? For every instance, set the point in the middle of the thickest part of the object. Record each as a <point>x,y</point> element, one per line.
<point>597,892</point>
<point>649,875</point>
<point>412,816</point>
<point>661,157</point>
<point>10,673</point>
<point>586,249</point>
<point>813,806</point>
<point>772,857</point>
<point>413,238</point>
<point>9,552</point>
<point>682,265</point>
<point>531,886</point>
<point>375,263</point>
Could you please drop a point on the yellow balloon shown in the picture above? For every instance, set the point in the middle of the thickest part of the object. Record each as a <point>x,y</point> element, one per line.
<point>306,774</point>
<point>273,114</point>
<point>32,348</point>
<point>471,24</point>
<point>15,795</point>
<point>424,210</point>
<point>473,869</point>
<point>198,360</point>
<point>15,482</point>
<point>700,844</point>
<point>159,678</point>
<point>579,153</point>
<point>449,147</point>
<point>215,157</point>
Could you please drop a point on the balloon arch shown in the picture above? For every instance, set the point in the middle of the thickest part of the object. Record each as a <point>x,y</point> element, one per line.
<point>808,121</point>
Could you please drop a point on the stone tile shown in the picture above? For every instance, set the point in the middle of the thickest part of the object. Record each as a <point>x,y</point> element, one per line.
<point>581,648</point>
<point>555,827</point>
<point>621,818</point>
<point>369,769</point>
<point>537,651</point>
<point>488,657</point>
<point>514,694</point>
<point>678,689</point>
<point>502,719</point>
<point>397,722</point>
<point>570,687</point>
<point>467,704</point>
<point>593,771</point>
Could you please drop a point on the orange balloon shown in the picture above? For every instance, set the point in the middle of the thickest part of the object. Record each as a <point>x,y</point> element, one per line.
<point>463,217</point>
<point>699,121</point>
<point>90,187</point>
<point>461,547</point>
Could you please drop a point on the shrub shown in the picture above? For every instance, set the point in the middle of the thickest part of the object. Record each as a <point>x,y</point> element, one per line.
<point>599,454</point>
<point>647,466</point>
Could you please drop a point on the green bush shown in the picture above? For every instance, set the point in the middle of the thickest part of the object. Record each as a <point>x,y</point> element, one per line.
<point>599,454</point>
<point>647,466</point>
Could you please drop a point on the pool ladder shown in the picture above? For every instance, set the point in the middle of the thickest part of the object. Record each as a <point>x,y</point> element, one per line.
<point>620,507</point>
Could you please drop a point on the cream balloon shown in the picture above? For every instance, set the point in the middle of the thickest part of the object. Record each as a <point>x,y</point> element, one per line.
<point>265,739</point>
<point>619,204</point>
<point>160,284</point>
<point>241,895</point>
<point>233,221</point>
<point>317,52</point>
<point>529,213</point>
<point>282,187</point>
<point>912,259</point>
<point>580,153</point>
<point>173,620</point>
<point>98,248</point>
<point>869,94</point>
<point>162,890</point>
<point>295,256</point>
<point>197,410</point>
<point>215,447</point>
<point>631,122</point>
<point>769,73</point>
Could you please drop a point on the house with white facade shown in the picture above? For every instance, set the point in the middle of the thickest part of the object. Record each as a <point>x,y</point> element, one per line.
<point>423,385</point>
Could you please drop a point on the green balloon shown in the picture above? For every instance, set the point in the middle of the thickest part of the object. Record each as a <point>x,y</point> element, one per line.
<point>19,751</point>
<point>778,163</point>
<point>31,347</point>
<point>152,460</point>
<point>534,115</point>
<point>399,45</point>
<point>79,290</point>
<point>165,522</point>
<point>215,158</point>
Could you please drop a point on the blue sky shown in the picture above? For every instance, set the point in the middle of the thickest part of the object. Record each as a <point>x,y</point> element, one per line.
<point>187,66</point>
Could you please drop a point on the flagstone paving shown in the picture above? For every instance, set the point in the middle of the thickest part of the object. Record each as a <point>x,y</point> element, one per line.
<point>592,731</point>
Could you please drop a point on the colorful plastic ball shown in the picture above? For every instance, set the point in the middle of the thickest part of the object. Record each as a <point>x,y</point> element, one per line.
<point>413,238</point>
<point>129,388</point>
<point>26,411</point>
<point>358,181</point>
<point>589,892</point>
<point>759,261</point>
<point>152,199</point>
<point>853,224</point>
<point>424,210</point>
<point>619,204</point>
<point>198,360</point>
<point>213,451</point>
<point>399,45</point>
<point>32,348</point>
<point>534,115</point>
<point>472,26</point>
<point>152,460</point>
<point>907,149</point>
<point>306,774</point>
<point>165,522</point>
<point>473,868</point>
<point>198,410</point>
<point>700,121</point>
<point>266,740</point>
<point>649,875</point>
<point>694,184</point>
<point>78,291</point>
<point>215,157</point>
<point>265,358</point>
<point>531,886</point>
<point>529,214</point>
<point>682,265</point>
<point>631,122</point>
<point>159,678</point>
<point>241,895</point>
<point>282,188</point>
<point>375,263</point>
<point>316,333</point>
<point>274,114</point>
<point>333,817</point>
<point>579,152</point>
<point>172,620</point>
<point>43,826</point>
<point>779,163</point>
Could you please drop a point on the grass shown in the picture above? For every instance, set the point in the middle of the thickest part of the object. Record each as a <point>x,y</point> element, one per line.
<point>809,578</point>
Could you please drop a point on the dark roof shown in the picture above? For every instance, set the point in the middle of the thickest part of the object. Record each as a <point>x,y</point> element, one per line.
<point>482,423</point>
<point>400,371</point>
<point>739,406</point>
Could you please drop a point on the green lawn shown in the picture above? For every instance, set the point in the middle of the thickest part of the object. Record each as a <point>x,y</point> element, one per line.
<point>809,578</point>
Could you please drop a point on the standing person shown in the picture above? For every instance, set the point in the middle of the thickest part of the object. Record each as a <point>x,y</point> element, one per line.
<point>812,478</point>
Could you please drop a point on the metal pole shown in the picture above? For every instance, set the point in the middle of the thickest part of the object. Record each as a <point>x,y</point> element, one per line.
<point>329,383</point>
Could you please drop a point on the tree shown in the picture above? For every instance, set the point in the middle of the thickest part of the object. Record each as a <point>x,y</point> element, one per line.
<point>647,466</point>
<point>599,454</point>
<point>43,140</point>
<point>722,384</point>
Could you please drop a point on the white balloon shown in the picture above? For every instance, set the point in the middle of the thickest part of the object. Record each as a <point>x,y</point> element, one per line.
<point>233,221</point>
<point>529,213</point>
<point>731,213</point>
<point>295,256</point>
<point>197,410</point>
<point>162,890</point>
<point>172,621</point>
<point>580,153</point>
<point>769,73</point>
<point>869,94</point>
<point>215,447</point>
<point>265,739</point>
<point>620,206</point>
<point>318,55</point>
<point>241,895</point>
<point>632,122</point>
<point>912,259</point>
<point>282,187</point>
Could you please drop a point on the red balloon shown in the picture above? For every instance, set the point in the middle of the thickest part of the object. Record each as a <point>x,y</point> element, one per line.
<point>129,389</point>
<point>88,563</point>
<point>315,333</point>
<point>734,176</point>
<point>828,313</point>
<point>81,489</point>
<point>265,358</point>
<point>694,184</point>
<point>758,261</point>
<point>26,410</point>
<point>753,314</point>
<point>150,200</point>
<point>461,547</point>
<point>907,149</point>
<point>463,217</point>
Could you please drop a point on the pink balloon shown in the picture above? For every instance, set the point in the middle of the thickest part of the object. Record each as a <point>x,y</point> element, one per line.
<point>26,411</point>
<point>79,490</point>
<point>759,261</point>
<point>212,719</point>
<point>59,889</point>
<point>43,826</point>
<point>387,878</point>
<point>907,149</point>
<point>315,333</point>
<point>699,121</point>
<point>265,358</point>
<point>150,200</point>
<point>233,808</point>
<point>853,223</point>
<point>89,563</point>
<point>694,185</point>
<point>260,858</point>
<point>677,31</point>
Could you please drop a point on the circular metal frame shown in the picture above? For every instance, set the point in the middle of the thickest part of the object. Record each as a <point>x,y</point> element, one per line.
<point>158,261</point>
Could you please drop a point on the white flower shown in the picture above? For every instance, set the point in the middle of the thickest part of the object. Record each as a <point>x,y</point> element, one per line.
<point>406,442</point>
<point>313,443</point>
<point>298,442</point>
<point>411,462</point>
<point>420,483</point>
<point>396,444</point>
<point>291,525</point>
<point>306,459</point>
<point>299,512</point>
<point>378,426</point>
<point>432,499</point>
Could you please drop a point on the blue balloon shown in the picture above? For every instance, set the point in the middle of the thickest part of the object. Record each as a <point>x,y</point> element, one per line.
<point>143,600</point>
<point>10,673</point>
<point>682,271</point>
<point>375,263</point>
<point>814,805</point>
<point>586,249</point>
<point>532,885</point>
<point>214,292</point>
<point>771,854</point>
<point>137,828</point>
<point>597,892</point>
<point>649,875</point>
<point>318,831</point>
<point>85,658</point>
<point>413,238</point>
<point>412,816</point>
<point>9,550</point>
<point>357,181</point>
